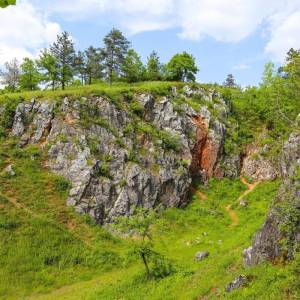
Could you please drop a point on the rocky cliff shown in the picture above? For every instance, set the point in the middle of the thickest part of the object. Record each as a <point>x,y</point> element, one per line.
<point>140,151</point>
<point>279,237</point>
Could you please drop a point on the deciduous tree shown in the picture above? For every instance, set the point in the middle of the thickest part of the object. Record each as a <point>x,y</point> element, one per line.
<point>30,75</point>
<point>10,76</point>
<point>181,67</point>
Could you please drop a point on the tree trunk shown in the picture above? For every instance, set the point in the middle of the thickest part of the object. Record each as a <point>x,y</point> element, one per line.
<point>145,264</point>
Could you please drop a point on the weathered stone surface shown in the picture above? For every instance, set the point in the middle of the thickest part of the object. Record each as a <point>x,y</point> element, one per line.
<point>257,166</point>
<point>113,170</point>
<point>278,236</point>
<point>237,283</point>
<point>201,255</point>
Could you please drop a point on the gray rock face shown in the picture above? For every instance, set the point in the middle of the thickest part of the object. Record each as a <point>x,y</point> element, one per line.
<point>114,163</point>
<point>201,255</point>
<point>256,167</point>
<point>237,283</point>
<point>278,236</point>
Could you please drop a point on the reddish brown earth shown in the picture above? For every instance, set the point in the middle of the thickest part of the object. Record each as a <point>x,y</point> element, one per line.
<point>205,152</point>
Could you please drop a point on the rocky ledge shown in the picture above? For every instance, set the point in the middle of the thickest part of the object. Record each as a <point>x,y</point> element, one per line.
<point>141,151</point>
<point>279,237</point>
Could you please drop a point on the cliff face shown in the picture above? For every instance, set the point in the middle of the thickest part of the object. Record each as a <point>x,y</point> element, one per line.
<point>142,151</point>
<point>279,237</point>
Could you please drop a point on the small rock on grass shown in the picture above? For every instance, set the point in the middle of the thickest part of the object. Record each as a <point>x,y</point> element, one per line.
<point>238,282</point>
<point>201,255</point>
<point>10,171</point>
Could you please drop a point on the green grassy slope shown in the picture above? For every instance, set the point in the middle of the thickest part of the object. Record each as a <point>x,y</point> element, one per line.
<point>47,251</point>
<point>50,252</point>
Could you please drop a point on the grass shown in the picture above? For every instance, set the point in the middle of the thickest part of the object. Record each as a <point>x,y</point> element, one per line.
<point>50,252</point>
<point>159,88</point>
<point>47,251</point>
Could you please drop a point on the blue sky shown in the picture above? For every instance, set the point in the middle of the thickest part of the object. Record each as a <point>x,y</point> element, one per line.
<point>225,36</point>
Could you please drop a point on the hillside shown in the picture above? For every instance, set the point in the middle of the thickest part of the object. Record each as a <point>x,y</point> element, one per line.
<point>218,163</point>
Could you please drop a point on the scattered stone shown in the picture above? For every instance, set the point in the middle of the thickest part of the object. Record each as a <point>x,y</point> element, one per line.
<point>10,171</point>
<point>201,255</point>
<point>243,202</point>
<point>238,282</point>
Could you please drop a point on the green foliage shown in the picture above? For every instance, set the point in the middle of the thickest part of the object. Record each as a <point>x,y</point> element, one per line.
<point>154,67</point>
<point>139,226</point>
<point>47,62</point>
<point>5,3</point>
<point>170,141</point>
<point>230,81</point>
<point>30,76</point>
<point>181,67</point>
<point>63,52</point>
<point>132,67</point>
<point>114,52</point>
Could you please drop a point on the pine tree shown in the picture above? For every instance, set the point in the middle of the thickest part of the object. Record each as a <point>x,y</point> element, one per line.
<point>64,53</point>
<point>94,66</point>
<point>47,64</point>
<point>229,81</point>
<point>133,68</point>
<point>114,52</point>
<point>154,67</point>
<point>80,66</point>
<point>10,77</point>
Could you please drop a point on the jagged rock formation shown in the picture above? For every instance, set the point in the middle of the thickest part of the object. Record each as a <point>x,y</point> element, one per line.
<point>257,166</point>
<point>279,237</point>
<point>140,152</point>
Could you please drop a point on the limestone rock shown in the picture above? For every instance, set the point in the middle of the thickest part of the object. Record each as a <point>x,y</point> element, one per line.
<point>238,282</point>
<point>277,237</point>
<point>201,255</point>
<point>113,170</point>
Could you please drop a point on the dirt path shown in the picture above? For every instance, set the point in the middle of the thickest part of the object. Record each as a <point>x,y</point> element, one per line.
<point>250,186</point>
<point>70,225</point>
<point>232,215</point>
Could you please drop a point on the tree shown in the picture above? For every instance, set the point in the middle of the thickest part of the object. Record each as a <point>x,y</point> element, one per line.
<point>80,67</point>
<point>140,226</point>
<point>229,81</point>
<point>94,66</point>
<point>114,52</point>
<point>11,75</point>
<point>181,67</point>
<point>268,74</point>
<point>5,3</point>
<point>133,68</point>
<point>154,67</point>
<point>30,76</point>
<point>64,53</point>
<point>47,63</point>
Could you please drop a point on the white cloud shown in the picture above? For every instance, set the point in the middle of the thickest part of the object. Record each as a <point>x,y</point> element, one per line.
<point>225,21</point>
<point>284,31</point>
<point>24,31</point>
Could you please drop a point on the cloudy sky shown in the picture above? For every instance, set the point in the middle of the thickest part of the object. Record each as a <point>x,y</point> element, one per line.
<point>225,36</point>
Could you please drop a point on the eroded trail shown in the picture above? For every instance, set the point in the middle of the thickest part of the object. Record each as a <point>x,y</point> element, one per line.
<point>232,215</point>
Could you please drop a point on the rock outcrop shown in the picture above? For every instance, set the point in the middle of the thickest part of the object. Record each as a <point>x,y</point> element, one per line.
<point>279,236</point>
<point>121,155</point>
<point>256,166</point>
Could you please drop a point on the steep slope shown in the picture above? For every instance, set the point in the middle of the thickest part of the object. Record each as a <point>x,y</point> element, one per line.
<point>138,151</point>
